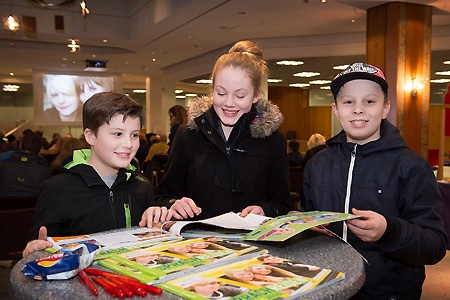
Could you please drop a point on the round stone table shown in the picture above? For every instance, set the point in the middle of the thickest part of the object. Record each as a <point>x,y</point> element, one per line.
<point>308,247</point>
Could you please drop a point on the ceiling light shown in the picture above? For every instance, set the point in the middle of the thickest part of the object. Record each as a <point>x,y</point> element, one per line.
<point>11,74</point>
<point>445,73</point>
<point>203,81</point>
<point>84,9</point>
<point>447,62</point>
<point>320,81</point>
<point>439,80</point>
<point>73,46</point>
<point>300,85</point>
<point>139,91</point>
<point>11,23</point>
<point>191,95</point>
<point>178,91</point>
<point>274,80</point>
<point>341,67</point>
<point>289,63</point>
<point>180,96</point>
<point>325,87</point>
<point>10,88</point>
<point>306,74</point>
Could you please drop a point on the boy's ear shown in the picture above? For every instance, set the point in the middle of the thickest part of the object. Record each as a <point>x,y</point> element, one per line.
<point>386,109</point>
<point>89,136</point>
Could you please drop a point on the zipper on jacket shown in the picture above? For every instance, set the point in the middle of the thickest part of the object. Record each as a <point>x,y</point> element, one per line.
<point>348,191</point>
<point>111,203</point>
<point>127,209</point>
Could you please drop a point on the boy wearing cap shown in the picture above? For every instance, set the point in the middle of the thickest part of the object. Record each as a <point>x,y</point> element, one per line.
<point>368,170</point>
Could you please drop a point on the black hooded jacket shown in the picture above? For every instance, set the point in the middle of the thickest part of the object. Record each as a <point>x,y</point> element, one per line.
<point>251,168</point>
<point>390,179</point>
<point>77,201</point>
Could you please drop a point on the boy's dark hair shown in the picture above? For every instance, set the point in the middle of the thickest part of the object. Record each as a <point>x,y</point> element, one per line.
<point>31,142</point>
<point>294,145</point>
<point>102,107</point>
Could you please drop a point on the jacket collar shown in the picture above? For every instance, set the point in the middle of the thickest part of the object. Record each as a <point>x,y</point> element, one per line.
<point>81,157</point>
<point>264,118</point>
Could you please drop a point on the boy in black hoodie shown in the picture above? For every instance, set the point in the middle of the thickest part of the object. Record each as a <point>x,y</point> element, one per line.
<point>99,189</point>
<point>369,170</point>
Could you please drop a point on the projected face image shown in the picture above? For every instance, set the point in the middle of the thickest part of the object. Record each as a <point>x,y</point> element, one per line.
<point>64,97</point>
<point>93,85</point>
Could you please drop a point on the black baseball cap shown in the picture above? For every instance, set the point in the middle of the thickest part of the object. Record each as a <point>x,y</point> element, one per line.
<point>359,70</point>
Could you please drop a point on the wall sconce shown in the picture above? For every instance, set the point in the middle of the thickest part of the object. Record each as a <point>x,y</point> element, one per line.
<point>415,85</point>
<point>11,23</point>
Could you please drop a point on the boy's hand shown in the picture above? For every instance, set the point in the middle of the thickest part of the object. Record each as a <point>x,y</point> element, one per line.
<point>155,214</point>
<point>253,209</point>
<point>370,227</point>
<point>185,208</point>
<point>40,244</point>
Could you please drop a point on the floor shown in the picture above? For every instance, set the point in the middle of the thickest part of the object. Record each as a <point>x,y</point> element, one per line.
<point>436,286</point>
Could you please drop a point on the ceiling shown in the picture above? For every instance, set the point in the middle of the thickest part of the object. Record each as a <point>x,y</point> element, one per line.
<point>181,39</point>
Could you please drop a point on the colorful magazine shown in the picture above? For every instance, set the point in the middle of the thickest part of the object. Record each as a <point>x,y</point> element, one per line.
<point>117,241</point>
<point>283,227</point>
<point>174,258</point>
<point>264,277</point>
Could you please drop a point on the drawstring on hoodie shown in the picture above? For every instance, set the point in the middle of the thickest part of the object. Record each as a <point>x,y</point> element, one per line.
<point>348,191</point>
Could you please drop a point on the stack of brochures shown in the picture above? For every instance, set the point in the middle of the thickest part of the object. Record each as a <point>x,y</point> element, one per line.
<point>207,267</point>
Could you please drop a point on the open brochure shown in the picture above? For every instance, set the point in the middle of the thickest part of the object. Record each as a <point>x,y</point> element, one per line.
<point>283,227</point>
<point>264,277</point>
<point>232,222</point>
<point>129,238</point>
<point>173,259</point>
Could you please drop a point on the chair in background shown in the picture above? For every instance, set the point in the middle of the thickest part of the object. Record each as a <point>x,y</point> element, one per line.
<point>15,226</point>
<point>296,179</point>
<point>16,217</point>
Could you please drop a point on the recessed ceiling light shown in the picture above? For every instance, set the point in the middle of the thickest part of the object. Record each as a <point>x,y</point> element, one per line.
<point>272,80</point>
<point>320,81</point>
<point>446,73</point>
<point>447,62</point>
<point>10,88</point>
<point>105,41</point>
<point>439,80</point>
<point>204,81</point>
<point>11,74</point>
<point>289,63</point>
<point>178,91</point>
<point>306,74</point>
<point>180,96</point>
<point>191,95</point>
<point>300,85</point>
<point>341,67</point>
<point>139,91</point>
<point>325,87</point>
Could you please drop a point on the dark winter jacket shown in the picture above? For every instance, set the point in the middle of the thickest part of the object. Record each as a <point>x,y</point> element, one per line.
<point>23,174</point>
<point>251,168</point>
<point>77,201</point>
<point>390,179</point>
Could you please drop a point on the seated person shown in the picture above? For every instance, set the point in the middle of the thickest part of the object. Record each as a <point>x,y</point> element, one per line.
<point>159,147</point>
<point>98,189</point>
<point>294,156</point>
<point>23,174</point>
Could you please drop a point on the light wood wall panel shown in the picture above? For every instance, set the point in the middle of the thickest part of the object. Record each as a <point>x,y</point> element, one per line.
<point>298,115</point>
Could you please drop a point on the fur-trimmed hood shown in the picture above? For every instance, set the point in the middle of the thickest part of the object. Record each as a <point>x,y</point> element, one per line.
<point>266,122</point>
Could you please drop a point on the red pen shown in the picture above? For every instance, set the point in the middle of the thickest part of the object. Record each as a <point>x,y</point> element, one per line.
<point>108,288</point>
<point>85,280</point>
<point>119,286</point>
<point>137,290</point>
<point>149,288</point>
<point>97,272</point>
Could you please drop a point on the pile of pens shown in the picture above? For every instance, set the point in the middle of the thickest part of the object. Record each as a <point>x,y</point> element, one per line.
<point>115,285</point>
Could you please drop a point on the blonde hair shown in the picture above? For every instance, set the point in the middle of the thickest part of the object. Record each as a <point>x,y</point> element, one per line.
<point>244,55</point>
<point>315,140</point>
